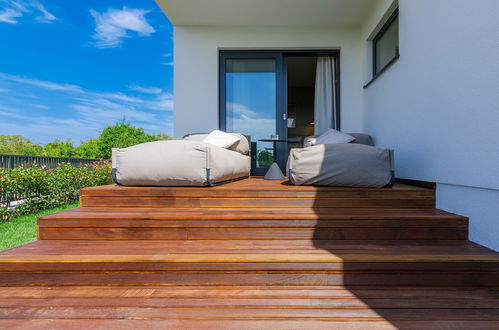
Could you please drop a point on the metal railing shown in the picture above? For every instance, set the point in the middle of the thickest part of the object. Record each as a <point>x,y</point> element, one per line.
<point>12,161</point>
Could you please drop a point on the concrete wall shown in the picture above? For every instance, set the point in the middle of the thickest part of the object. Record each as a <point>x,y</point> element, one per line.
<point>438,105</point>
<point>196,67</point>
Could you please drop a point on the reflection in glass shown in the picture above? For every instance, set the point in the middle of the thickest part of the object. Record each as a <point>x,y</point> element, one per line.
<point>251,103</point>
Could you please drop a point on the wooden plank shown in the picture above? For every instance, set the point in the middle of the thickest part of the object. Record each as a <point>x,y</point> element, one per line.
<point>259,292</point>
<point>429,233</point>
<point>96,201</point>
<point>288,324</point>
<point>290,267</point>
<point>250,214</point>
<point>247,186</point>
<point>172,223</point>
<point>154,247</point>
<point>284,278</point>
<point>250,257</point>
<point>269,303</point>
<point>208,313</point>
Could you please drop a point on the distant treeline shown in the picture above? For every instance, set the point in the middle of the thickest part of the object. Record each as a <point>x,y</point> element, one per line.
<point>121,135</point>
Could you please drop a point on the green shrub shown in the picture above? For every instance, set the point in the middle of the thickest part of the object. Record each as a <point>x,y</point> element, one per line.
<point>43,188</point>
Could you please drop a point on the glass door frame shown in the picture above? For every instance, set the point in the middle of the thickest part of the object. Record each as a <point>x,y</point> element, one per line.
<point>281,99</point>
<point>281,90</point>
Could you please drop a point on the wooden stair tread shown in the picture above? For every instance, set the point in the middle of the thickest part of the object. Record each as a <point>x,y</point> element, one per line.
<point>107,251</point>
<point>250,185</point>
<point>285,246</point>
<point>257,292</point>
<point>247,214</point>
<point>203,303</point>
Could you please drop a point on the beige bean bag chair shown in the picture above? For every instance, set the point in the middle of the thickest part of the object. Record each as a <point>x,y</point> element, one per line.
<point>187,162</point>
<point>343,165</point>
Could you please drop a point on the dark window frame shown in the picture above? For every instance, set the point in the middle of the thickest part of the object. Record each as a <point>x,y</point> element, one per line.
<point>377,37</point>
<point>281,97</point>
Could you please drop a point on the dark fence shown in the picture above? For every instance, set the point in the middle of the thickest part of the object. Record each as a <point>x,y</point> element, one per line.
<point>12,161</point>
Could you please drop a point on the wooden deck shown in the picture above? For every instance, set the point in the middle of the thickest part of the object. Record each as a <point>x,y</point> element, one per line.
<point>251,254</point>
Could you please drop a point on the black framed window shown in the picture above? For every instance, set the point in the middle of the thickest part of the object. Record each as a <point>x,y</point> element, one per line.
<point>386,44</point>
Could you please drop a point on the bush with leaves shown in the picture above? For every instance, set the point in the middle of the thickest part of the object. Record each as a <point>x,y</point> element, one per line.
<point>43,188</point>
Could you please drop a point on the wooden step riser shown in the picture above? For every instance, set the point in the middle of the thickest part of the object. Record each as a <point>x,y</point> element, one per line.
<point>226,302</point>
<point>180,223</point>
<point>253,324</point>
<point>248,313</point>
<point>351,268</point>
<point>369,233</point>
<point>258,192</point>
<point>411,279</point>
<point>210,202</point>
<point>408,294</point>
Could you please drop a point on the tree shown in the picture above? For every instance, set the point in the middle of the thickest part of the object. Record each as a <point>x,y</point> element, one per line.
<point>121,136</point>
<point>264,158</point>
<point>60,148</point>
<point>19,145</point>
<point>88,149</point>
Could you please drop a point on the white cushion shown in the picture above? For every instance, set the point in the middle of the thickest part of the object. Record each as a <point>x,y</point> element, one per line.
<point>221,139</point>
<point>332,136</point>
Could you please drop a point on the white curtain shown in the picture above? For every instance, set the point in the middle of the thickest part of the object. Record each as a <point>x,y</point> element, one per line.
<point>324,106</point>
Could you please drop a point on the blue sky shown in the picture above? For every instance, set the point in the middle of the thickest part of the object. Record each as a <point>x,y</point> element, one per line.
<point>70,68</point>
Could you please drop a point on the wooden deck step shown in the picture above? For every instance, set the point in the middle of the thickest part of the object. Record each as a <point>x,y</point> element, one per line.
<point>289,307</point>
<point>250,223</point>
<point>252,254</point>
<point>155,263</point>
<point>258,193</point>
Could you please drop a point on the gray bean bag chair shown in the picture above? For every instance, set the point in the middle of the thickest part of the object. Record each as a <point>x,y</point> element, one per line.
<point>187,162</point>
<point>343,165</point>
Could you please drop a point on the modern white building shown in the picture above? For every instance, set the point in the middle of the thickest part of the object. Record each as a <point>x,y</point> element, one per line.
<point>420,76</point>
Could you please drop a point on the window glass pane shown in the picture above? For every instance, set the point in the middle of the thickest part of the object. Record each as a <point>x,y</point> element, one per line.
<point>251,103</point>
<point>387,45</point>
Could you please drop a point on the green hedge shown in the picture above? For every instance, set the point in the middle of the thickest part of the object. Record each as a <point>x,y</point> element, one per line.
<point>47,188</point>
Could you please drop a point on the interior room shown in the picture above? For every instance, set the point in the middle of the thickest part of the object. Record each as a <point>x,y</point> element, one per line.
<point>301,91</point>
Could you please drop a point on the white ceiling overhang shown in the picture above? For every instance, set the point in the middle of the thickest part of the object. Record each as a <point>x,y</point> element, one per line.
<point>265,12</point>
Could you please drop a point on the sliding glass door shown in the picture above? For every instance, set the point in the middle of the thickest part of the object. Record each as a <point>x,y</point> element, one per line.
<point>251,94</point>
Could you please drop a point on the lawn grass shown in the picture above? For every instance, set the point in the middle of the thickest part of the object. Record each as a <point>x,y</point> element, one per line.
<point>22,229</point>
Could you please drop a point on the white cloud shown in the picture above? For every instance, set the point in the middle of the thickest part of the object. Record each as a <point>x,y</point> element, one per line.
<point>163,102</point>
<point>85,112</point>
<point>39,106</point>
<point>40,83</point>
<point>15,9</point>
<point>145,90</point>
<point>46,17</point>
<point>248,121</point>
<point>112,26</point>
<point>9,16</point>
<point>171,63</point>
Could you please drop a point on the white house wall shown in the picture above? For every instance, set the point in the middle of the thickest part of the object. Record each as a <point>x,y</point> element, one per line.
<point>196,67</point>
<point>438,105</point>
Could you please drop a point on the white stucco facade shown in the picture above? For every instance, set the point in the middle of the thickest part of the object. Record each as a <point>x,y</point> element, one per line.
<point>196,67</point>
<point>437,105</point>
